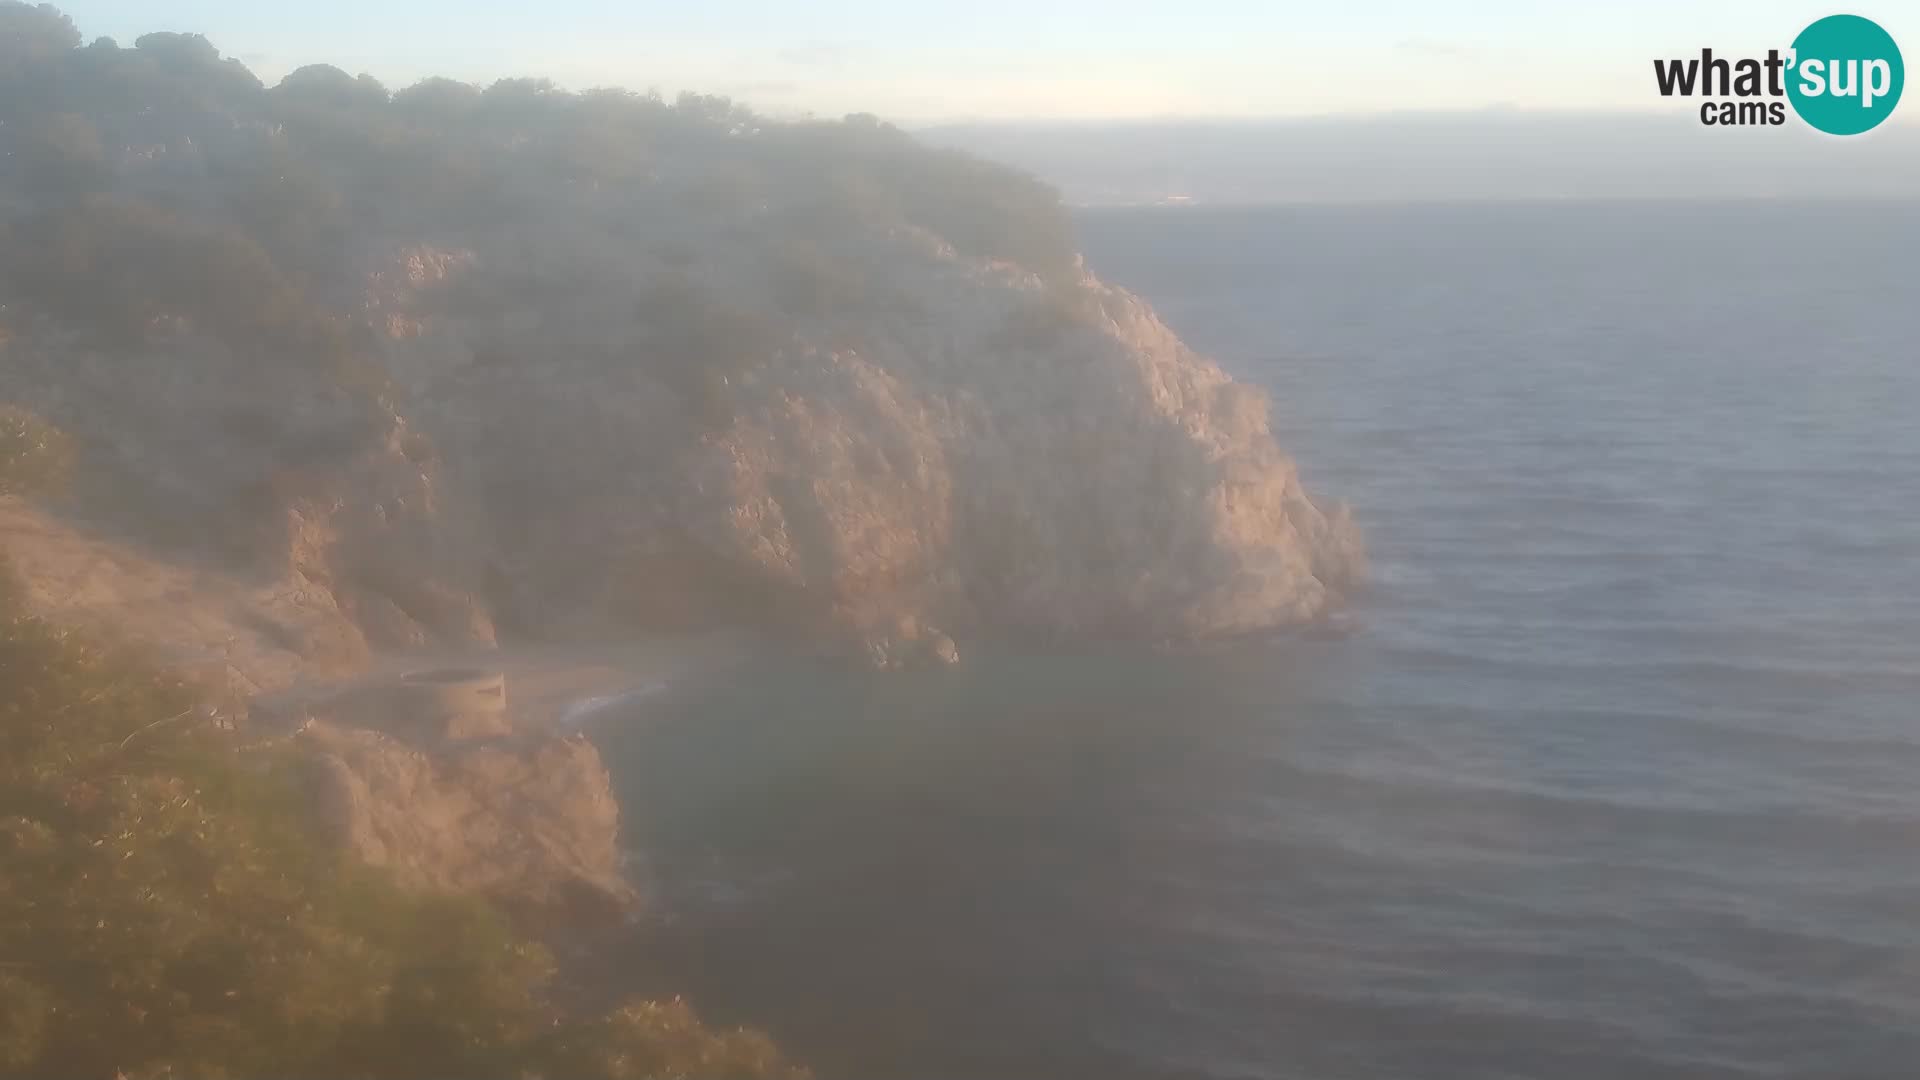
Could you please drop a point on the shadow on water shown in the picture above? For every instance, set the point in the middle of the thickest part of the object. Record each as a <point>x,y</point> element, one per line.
<point>931,873</point>
<point>1273,859</point>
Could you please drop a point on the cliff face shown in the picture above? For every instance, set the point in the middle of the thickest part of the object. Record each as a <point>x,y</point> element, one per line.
<point>979,460</point>
<point>960,444</point>
<point>605,359</point>
<point>529,822</point>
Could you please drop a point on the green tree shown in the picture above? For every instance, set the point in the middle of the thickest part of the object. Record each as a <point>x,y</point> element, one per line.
<point>64,154</point>
<point>167,912</point>
<point>326,84</point>
<point>36,458</point>
<point>32,32</point>
<point>438,97</point>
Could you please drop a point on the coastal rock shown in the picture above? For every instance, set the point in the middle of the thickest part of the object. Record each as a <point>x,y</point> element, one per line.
<point>988,453</point>
<point>240,633</point>
<point>805,410</point>
<point>1021,466</point>
<point>909,644</point>
<point>529,821</point>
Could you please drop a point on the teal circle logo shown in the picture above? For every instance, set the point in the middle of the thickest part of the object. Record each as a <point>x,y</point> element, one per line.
<point>1846,75</point>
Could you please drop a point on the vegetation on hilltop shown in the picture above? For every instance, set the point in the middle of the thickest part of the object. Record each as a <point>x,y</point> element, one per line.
<point>170,153</point>
<point>158,197</point>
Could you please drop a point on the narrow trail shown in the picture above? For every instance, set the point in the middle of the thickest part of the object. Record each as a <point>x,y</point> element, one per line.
<point>547,685</point>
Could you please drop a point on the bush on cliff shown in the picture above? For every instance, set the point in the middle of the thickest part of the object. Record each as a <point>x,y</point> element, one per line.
<point>167,912</point>
<point>35,457</point>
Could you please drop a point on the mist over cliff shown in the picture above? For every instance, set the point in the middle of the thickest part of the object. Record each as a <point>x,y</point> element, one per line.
<point>446,362</point>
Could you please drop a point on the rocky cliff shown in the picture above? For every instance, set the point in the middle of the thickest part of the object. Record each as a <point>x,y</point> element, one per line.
<point>446,361</point>
<point>528,822</point>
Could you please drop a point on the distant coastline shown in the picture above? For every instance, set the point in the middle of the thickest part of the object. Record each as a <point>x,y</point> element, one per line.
<point>1488,156</point>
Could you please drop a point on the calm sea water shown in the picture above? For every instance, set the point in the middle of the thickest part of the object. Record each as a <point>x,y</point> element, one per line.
<point>1618,776</point>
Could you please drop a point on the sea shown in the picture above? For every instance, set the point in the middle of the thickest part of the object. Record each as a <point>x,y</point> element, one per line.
<point>1614,774</point>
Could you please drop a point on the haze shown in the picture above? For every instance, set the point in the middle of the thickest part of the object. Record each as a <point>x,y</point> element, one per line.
<point>1120,103</point>
<point>997,59</point>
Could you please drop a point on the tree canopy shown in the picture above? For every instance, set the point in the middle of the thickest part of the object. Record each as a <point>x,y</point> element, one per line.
<point>172,109</point>
<point>167,912</point>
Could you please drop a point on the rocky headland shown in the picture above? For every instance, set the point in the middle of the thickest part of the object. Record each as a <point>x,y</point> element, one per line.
<point>345,378</point>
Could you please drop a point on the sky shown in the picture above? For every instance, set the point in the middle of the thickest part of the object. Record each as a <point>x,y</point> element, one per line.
<point>1014,59</point>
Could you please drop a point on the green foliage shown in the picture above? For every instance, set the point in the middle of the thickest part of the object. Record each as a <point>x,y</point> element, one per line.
<point>328,84</point>
<point>438,97</point>
<point>519,99</point>
<point>809,282</point>
<point>13,594</point>
<point>650,1039</point>
<point>445,151</point>
<point>165,189</point>
<point>178,50</point>
<point>193,56</point>
<point>166,912</point>
<point>117,265</point>
<point>700,344</point>
<point>36,458</point>
<point>33,32</point>
<point>64,153</point>
<point>875,171</point>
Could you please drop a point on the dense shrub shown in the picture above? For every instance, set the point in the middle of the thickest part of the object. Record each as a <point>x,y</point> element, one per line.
<point>117,266</point>
<point>699,344</point>
<point>165,912</point>
<point>867,169</point>
<point>327,84</point>
<point>194,60</point>
<point>438,98</point>
<point>446,150</point>
<point>63,153</point>
<point>808,282</point>
<point>30,33</point>
<point>36,458</point>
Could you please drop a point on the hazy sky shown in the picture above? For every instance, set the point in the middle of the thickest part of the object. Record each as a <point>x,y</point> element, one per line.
<point>1013,58</point>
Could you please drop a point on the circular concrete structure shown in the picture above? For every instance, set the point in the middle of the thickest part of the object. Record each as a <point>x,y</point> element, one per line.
<point>439,693</point>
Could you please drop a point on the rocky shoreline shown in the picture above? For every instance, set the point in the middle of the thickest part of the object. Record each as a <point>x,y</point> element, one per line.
<point>507,799</point>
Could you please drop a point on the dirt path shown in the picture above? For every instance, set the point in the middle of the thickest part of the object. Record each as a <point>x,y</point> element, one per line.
<point>547,685</point>
<point>268,640</point>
